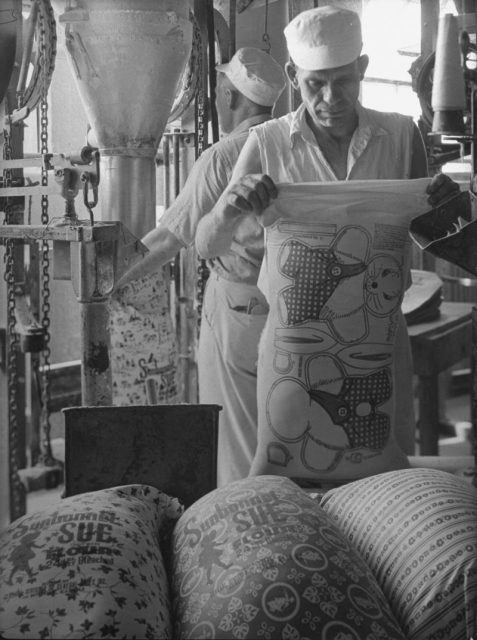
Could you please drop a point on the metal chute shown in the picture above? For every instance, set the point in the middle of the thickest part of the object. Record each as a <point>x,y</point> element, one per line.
<point>128,57</point>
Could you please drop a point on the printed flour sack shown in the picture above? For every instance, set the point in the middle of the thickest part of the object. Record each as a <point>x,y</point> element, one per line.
<point>259,558</point>
<point>336,265</point>
<point>90,566</point>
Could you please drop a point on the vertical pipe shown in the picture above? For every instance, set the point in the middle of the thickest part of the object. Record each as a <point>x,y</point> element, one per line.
<point>474,391</point>
<point>212,72</point>
<point>473,147</point>
<point>188,268</point>
<point>201,102</point>
<point>96,383</point>
<point>166,151</point>
<point>176,136</point>
<point>127,192</point>
<point>167,172</point>
<point>181,326</point>
<point>4,412</point>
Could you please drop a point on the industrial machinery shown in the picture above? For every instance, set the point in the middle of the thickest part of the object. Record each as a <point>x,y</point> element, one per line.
<point>159,69</point>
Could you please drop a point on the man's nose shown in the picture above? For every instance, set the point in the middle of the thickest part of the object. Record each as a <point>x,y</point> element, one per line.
<point>330,93</point>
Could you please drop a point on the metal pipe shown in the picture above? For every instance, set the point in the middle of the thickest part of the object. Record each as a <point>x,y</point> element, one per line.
<point>166,151</point>
<point>96,382</point>
<point>473,111</point>
<point>176,138</point>
<point>184,347</point>
<point>187,261</point>
<point>167,171</point>
<point>177,285</point>
<point>474,392</point>
<point>214,120</point>
<point>127,192</point>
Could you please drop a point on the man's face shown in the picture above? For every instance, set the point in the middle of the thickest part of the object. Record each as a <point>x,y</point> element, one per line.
<point>330,95</point>
<point>222,102</point>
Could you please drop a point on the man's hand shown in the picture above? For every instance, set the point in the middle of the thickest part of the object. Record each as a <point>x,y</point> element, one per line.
<point>441,188</point>
<point>251,194</point>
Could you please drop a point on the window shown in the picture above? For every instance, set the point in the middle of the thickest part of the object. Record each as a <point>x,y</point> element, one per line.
<point>391,36</point>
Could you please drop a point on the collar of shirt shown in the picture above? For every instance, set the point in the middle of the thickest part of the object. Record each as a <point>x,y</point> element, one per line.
<point>246,124</point>
<point>365,130</point>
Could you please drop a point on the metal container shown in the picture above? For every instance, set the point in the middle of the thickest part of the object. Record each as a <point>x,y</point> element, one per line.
<point>128,57</point>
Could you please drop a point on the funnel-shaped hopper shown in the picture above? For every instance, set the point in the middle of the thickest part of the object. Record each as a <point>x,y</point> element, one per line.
<point>448,89</point>
<point>128,57</point>
<point>448,122</point>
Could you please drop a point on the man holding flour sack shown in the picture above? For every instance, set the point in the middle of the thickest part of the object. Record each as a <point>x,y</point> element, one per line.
<point>331,137</point>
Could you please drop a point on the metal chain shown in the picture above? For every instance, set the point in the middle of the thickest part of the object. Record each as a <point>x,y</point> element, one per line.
<point>16,487</point>
<point>46,456</point>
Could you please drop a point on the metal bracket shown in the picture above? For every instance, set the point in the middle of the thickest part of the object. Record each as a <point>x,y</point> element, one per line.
<point>99,257</point>
<point>70,175</point>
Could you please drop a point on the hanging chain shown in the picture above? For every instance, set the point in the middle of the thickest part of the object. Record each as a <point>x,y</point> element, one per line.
<point>266,36</point>
<point>16,487</point>
<point>46,456</point>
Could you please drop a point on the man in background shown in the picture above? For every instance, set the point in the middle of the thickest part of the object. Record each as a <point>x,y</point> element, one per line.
<point>234,309</point>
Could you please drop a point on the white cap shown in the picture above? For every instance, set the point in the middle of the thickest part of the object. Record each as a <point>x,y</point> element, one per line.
<point>324,38</point>
<point>255,74</point>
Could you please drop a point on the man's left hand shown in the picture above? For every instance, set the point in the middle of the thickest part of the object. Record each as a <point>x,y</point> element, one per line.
<point>441,188</point>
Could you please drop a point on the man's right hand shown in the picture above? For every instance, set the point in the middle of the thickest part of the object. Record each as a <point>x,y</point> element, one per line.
<point>251,194</point>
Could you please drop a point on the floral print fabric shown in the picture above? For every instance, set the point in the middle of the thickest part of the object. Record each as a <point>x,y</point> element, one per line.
<point>260,559</point>
<point>89,567</point>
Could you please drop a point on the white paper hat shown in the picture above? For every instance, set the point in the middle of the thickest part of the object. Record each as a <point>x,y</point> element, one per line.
<point>255,74</point>
<point>324,38</point>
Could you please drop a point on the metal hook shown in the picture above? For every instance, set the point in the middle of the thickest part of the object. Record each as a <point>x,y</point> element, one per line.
<point>266,36</point>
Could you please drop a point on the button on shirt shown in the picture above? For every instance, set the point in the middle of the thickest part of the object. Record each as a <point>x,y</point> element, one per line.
<point>208,178</point>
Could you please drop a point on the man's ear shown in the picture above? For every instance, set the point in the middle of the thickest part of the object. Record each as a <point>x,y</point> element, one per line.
<point>363,62</point>
<point>290,70</point>
<point>232,98</point>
